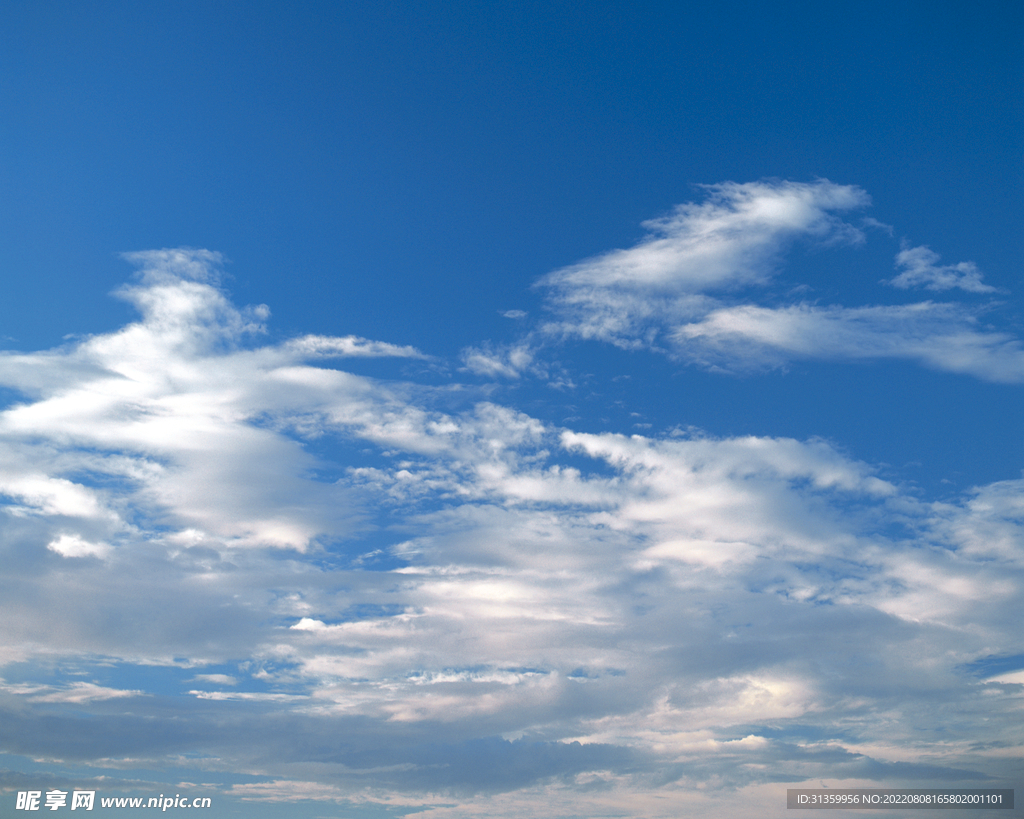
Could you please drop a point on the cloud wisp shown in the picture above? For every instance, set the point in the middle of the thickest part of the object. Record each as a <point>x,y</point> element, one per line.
<point>940,336</point>
<point>698,288</point>
<point>919,267</point>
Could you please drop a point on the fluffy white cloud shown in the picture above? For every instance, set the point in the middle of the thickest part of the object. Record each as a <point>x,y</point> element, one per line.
<point>186,420</point>
<point>74,546</point>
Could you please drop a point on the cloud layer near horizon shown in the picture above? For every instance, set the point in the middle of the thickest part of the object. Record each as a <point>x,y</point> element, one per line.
<point>474,601</point>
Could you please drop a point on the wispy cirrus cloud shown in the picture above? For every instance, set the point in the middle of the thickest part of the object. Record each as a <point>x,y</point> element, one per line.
<point>732,240</point>
<point>77,693</point>
<point>940,336</point>
<point>698,289</point>
<point>509,361</point>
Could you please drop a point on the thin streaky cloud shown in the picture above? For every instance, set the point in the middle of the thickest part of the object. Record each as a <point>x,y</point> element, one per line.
<point>939,336</point>
<point>350,347</point>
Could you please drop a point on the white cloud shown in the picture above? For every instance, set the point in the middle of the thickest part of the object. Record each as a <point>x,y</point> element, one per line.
<point>692,287</point>
<point>673,604</point>
<point>722,243</point>
<point>216,679</point>
<point>940,336</point>
<point>77,693</point>
<point>989,525</point>
<point>74,546</point>
<point>189,263</point>
<point>42,494</point>
<point>921,269</point>
<point>731,240</point>
<point>186,419</point>
<point>509,361</point>
<point>240,696</point>
<point>349,347</point>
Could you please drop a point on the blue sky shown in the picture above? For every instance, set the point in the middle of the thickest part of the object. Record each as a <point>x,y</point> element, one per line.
<point>468,410</point>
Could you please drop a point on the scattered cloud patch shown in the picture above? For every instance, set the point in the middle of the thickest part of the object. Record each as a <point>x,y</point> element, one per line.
<point>74,546</point>
<point>507,361</point>
<point>698,289</point>
<point>920,268</point>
